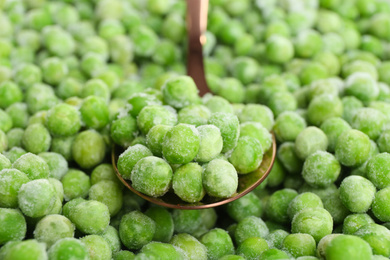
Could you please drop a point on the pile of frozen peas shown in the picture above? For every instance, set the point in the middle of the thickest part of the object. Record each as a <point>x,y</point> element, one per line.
<point>77,77</point>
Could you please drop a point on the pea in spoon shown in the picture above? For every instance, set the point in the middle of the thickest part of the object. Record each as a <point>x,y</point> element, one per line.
<point>196,27</point>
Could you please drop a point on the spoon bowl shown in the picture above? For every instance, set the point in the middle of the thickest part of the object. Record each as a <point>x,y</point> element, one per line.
<point>196,25</point>
<point>246,183</point>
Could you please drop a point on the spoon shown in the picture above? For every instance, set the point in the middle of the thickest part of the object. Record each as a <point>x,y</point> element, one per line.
<point>196,25</point>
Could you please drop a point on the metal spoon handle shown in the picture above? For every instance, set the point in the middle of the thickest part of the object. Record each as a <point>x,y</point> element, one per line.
<point>196,28</point>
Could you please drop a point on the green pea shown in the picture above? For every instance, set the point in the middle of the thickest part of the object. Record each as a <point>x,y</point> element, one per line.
<point>250,227</point>
<point>352,148</point>
<point>347,245</point>
<point>369,121</point>
<point>76,184</point>
<point>3,141</point>
<point>376,170</point>
<point>288,125</point>
<point>333,128</point>
<point>217,104</point>
<point>274,46</point>
<point>97,247</point>
<point>190,245</point>
<point>300,245</point>
<point>58,165</point>
<point>68,247</point>
<point>10,93</point>
<point>355,221</point>
<point>309,141</point>
<point>88,148</point>
<point>26,249</point>
<point>94,112</point>
<point>123,130</point>
<point>220,179</point>
<point>218,243</point>
<point>52,228</point>
<point>380,205</point>
<point>324,107</point>
<point>187,182</point>
<point>155,115</point>
<point>164,223</point>
<point>27,75</point>
<point>247,155</point>
<point>249,205</point>
<point>275,238</point>
<point>19,114</point>
<point>14,225</point>
<point>136,230</point>
<point>288,158</point>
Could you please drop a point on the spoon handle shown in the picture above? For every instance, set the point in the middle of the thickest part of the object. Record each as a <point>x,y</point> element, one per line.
<point>196,28</point>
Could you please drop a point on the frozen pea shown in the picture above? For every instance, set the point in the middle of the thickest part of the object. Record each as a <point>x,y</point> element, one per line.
<point>130,157</point>
<point>355,221</point>
<point>220,179</point>
<point>186,221</point>
<point>163,221</point>
<point>111,235</point>
<point>5,121</point>
<point>369,121</point>
<point>194,115</point>
<point>5,163</point>
<point>52,228</point>
<point>321,192</point>
<point>232,90</point>
<point>97,247</point>
<point>288,125</point>
<point>257,113</point>
<point>40,97</point>
<point>123,255</point>
<point>277,205</point>
<point>360,66</point>
<point>217,104</point>
<point>68,248</point>
<point>247,155</point>
<point>336,208</point>
<point>245,69</point>
<point>76,184</point>
<point>36,139</point>
<point>36,198</point>
<point>180,92</point>
<point>33,166</point>
<point>211,143</point>
<point>348,247</point>
<point>181,144</point>
<point>362,86</point>
<point>330,86</point>
<point>191,247</point>
<point>288,158</point>
<point>109,193</point>
<point>303,201</point>
<point>14,153</point>
<point>88,149</point>
<point>54,70</point>
<point>275,238</point>
<point>321,169</point>
<point>123,130</point>
<point>11,181</point>
<point>14,137</point>
<point>102,172</point>
<point>309,141</point>
<point>357,193</point>
<point>229,126</point>
<point>63,146</point>
<point>161,251</point>
<point>155,137</point>
<point>324,242</point>
<point>274,46</point>
<point>136,230</point>
<point>10,93</point>
<point>152,176</point>
<point>140,100</point>
<point>352,148</point>
<point>378,169</point>
<point>27,249</point>
<point>96,87</point>
<point>383,142</point>
<point>316,222</point>
<point>273,253</point>
<point>63,120</point>
<point>83,211</point>
<point>69,87</point>
<point>155,115</point>
<point>94,112</point>
<point>323,107</point>
<point>218,243</point>
<point>187,182</point>
<point>58,188</point>
<point>145,41</point>
<point>307,43</point>
<point>249,205</point>
<point>13,225</point>
<point>312,71</point>
<point>92,64</point>
<point>300,245</point>
<point>38,117</point>
<point>380,205</point>
<point>377,236</point>
<point>250,227</point>
<point>27,75</point>
<point>281,102</point>
<point>19,114</point>
<point>333,128</point>
<point>58,165</point>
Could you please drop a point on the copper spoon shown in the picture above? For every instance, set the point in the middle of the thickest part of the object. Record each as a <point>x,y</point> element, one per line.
<point>196,25</point>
